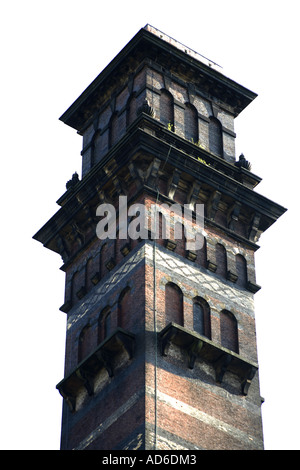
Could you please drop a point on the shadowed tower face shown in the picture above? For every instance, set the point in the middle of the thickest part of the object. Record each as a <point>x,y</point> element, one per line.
<point>160,341</point>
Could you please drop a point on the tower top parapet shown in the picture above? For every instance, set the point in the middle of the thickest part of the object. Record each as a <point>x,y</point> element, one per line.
<point>151,44</point>
<point>182,47</point>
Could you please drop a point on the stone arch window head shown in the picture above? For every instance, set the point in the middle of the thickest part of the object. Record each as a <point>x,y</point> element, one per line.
<point>229,331</point>
<point>191,132</point>
<point>215,136</point>
<point>173,304</point>
<point>201,317</point>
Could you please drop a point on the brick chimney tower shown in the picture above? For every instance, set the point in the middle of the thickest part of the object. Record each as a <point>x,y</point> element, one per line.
<point>160,341</point>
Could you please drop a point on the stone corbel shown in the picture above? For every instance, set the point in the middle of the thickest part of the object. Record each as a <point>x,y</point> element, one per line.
<point>135,175</point>
<point>70,400</point>
<point>105,359</point>
<point>233,215</point>
<point>194,351</point>
<point>118,186</point>
<point>254,232</point>
<point>89,218</point>
<point>173,183</point>
<point>200,347</point>
<point>193,195</point>
<point>87,381</point>
<point>165,341</point>
<point>62,248</point>
<point>101,194</point>
<point>77,234</point>
<point>153,175</point>
<point>213,204</point>
<point>103,356</point>
<point>248,379</point>
<point>110,167</point>
<point>221,366</point>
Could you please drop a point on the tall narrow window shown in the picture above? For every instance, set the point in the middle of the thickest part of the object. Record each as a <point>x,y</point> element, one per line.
<point>75,287</point>
<point>229,331</point>
<point>84,342</point>
<point>131,109</point>
<point>191,123</point>
<point>202,254</point>
<point>167,109</point>
<point>215,137</point>
<point>241,269</point>
<point>124,304</point>
<point>201,317</point>
<point>104,324</point>
<point>97,148</point>
<point>88,274</point>
<point>113,130</point>
<point>181,240</point>
<point>221,260</point>
<point>173,304</point>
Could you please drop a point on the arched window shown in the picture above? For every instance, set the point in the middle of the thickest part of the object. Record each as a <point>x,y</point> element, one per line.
<point>241,270</point>
<point>104,324</point>
<point>179,237</point>
<point>75,287</point>
<point>113,130</point>
<point>131,109</point>
<point>89,274</point>
<point>159,227</point>
<point>124,304</point>
<point>84,342</point>
<point>202,254</point>
<point>191,123</point>
<point>221,260</point>
<point>167,109</point>
<point>201,317</point>
<point>97,148</point>
<point>173,304</point>
<point>104,258</point>
<point>229,331</point>
<point>215,137</point>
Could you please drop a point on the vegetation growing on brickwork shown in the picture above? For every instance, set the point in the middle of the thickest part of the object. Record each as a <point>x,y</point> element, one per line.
<point>198,143</point>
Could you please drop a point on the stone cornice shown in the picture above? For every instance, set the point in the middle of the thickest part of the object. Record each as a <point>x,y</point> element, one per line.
<point>147,45</point>
<point>148,139</point>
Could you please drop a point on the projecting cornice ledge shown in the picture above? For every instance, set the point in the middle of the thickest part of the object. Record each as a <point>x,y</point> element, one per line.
<point>201,348</point>
<point>103,357</point>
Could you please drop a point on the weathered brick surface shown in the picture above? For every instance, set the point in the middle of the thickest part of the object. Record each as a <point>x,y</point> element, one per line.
<point>141,286</point>
<point>184,113</point>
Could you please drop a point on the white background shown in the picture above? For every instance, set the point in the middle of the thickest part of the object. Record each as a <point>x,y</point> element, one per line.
<point>50,52</point>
